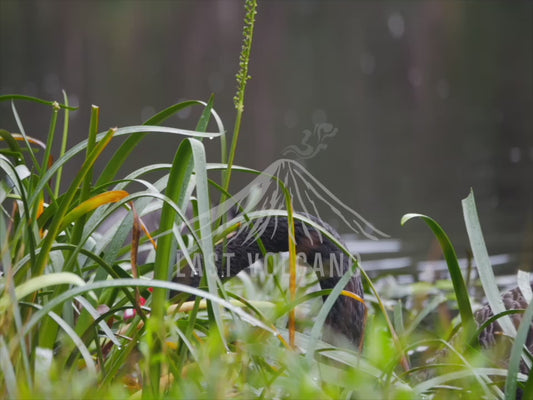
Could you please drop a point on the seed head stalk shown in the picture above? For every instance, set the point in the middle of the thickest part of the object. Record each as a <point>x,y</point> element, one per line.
<point>242,78</point>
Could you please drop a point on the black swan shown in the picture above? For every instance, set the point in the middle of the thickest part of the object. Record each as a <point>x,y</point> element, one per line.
<point>347,315</point>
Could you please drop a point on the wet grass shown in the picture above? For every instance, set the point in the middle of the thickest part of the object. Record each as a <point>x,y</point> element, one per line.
<point>83,315</point>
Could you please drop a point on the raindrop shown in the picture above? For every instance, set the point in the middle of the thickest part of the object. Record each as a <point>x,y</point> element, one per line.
<point>415,77</point>
<point>319,116</point>
<point>367,63</point>
<point>73,100</point>
<point>147,112</point>
<point>51,84</point>
<point>184,114</point>
<point>443,89</point>
<point>216,81</point>
<point>29,88</point>
<point>290,119</point>
<point>515,154</point>
<point>396,25</point>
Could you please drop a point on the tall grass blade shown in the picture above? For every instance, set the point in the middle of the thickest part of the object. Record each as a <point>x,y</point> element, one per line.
<point>48,333</point>
<point>11,141</point>
<point>80,345</point>
<point>523,279</point>
<point>25,137</point>
<point>516,353</point>
<point>142,283</point>
<point>87,180</point>
<point>41,282</point>
<point>8,370</point>
<point>443,379</point>
<point>484,266</point>
<point>481,256</point>
<point>50,138</point>
<point>11,296</point>
<point>292,268</point>
<point>459,286</point>
<point>64,141</point>
<point>16,175</point>
<point>204,220</point>
<point>129,130</point>
<point>180,174</point>
<point>53,230</point>
<point>124,151</point>
<point>7,97</point>
<point>324,311</point>
<point>92,204</point>
<point>93,312</point>
<point>528,389</point>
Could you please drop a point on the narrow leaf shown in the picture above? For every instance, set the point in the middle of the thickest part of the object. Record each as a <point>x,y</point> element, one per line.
<point>93,203</point>
<point>516,352</point>
<point>481,256</point>
<point>459,286</point>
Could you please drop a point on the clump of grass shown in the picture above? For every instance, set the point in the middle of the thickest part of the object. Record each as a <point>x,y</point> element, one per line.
<point>464,361</point>
<point>66,285</point>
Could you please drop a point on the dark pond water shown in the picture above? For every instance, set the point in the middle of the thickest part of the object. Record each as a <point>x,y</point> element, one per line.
<point>427,99</point>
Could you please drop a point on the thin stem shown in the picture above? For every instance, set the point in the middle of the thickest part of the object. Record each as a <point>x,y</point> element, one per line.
<point>242,77</point>
<point>64,140</point>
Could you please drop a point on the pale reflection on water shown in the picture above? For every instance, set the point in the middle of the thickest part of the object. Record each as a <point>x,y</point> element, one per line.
<point>388,257</point>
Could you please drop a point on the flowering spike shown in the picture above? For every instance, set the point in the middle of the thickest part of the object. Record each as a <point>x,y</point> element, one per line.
<point>242,76</point>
